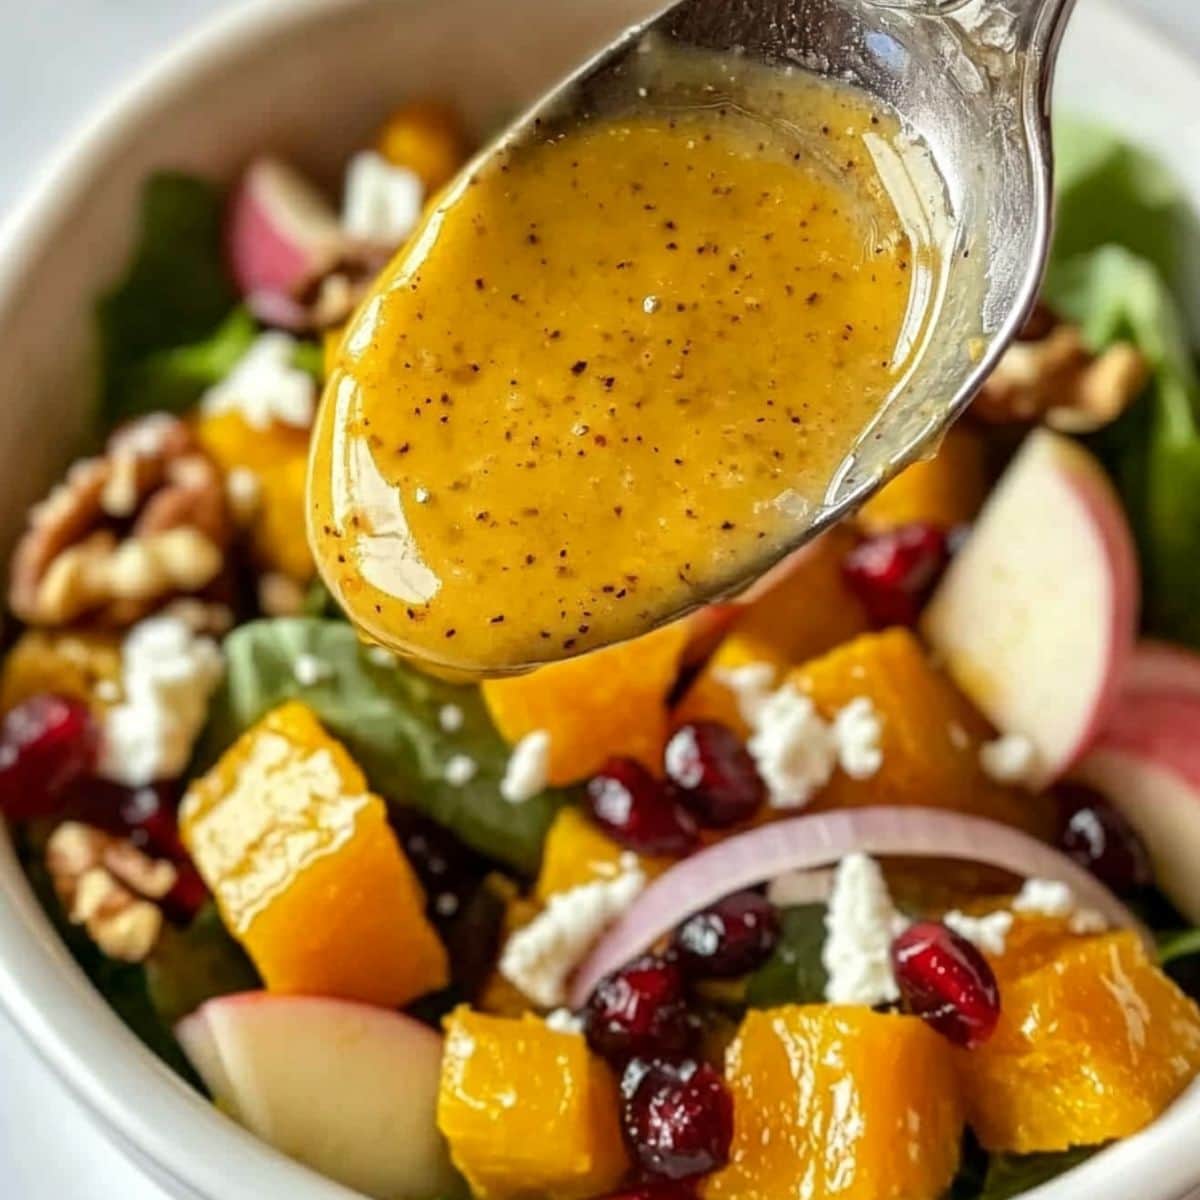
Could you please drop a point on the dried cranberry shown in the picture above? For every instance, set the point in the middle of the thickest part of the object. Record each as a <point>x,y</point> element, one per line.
<point>638,811</point>
<point>47,743</point>
<point>893,573</point>
<point>677,1117</point>
<point>944,980</point>
<point>714,776</point>
<point>1099,838</point>
<point>639,1010</point>
<point>729,938</point>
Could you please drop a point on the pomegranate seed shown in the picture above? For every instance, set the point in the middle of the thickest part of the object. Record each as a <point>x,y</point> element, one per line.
<point>1099,838</point>
<point>944,980</point>
<point>714,775</point>
<point>677,1117</point>
<point>893,573</point>
<point>638,811</point>
<point>728,939</point>
<point>640,1011</point>
<point>47,743</point>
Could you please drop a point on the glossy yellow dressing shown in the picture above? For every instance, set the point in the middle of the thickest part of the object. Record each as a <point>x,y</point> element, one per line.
<point>607,375</point>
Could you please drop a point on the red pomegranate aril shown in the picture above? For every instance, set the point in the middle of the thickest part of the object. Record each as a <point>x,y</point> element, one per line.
<point>187,897</point>
<point>677,1118</point>
<point>1100,839</point>
<point>639,811</point>
<point>894,572</point>
<point>944,980</point>
<point>639,1011</point>
<point>729,938</point>
<point>714,776</point>
<point>47,744</point>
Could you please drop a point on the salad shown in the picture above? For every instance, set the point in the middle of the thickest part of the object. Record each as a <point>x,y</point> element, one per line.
<point>877,884</point>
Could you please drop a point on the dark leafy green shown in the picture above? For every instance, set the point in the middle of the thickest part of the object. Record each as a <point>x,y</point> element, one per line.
<point>794,974</point>
<point>192,965</point>
<point>175,292</point>
<point>387,716</point>
<point>1010,1175</point>
<point>1175,946</point>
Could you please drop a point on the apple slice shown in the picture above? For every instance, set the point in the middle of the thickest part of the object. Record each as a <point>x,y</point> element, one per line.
<point>1163,668</point>
<point>1147,764</point>
<point>281,230</point>
<point>348,1089</point>
<point>1036,617</point>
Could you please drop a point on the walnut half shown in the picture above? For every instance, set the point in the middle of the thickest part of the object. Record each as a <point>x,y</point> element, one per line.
<point>108,886</point>
<point>126,532</point>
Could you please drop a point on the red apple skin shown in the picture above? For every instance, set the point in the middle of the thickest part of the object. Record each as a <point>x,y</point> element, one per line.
<point>1163,668</point>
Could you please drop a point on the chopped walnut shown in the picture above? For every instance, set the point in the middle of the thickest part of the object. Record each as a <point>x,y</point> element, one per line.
<point>125,532</point>
<point>109,886</point>
<point>1050,375</point>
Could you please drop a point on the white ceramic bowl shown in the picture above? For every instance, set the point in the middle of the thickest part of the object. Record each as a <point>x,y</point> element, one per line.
<point>312,78</point>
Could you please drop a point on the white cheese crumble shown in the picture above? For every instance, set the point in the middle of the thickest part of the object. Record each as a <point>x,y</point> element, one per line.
<point>377,656</point>
<point>265,386</point>
<point>988,933</point>
<point>450,718</point>
<point>168,674</point>
<point>243,490</point>
<point>751,685</point>
<point>540,958</point>
<point>861,923</point>
<point>459,770</point>
<point>309,670</point>
<point>528,768</point>
<point>857,730</point>
<point>381,201</point>
<point>563,1020</point>
<point>792,747</point>
<point>1052,898</point>
<point>1008,759</point>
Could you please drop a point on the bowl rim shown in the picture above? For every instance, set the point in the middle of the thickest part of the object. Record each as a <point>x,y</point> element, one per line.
<point>138,1100</point>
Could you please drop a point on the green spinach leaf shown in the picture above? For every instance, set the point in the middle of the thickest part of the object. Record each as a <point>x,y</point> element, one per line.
<point>1175,946</point>
<point>1010,1175</point>
<point>175,293</point>
<point>794,974</point>
<point>387,716</point>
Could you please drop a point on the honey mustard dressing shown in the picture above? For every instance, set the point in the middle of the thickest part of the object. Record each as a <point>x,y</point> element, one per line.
<point>608,375</point>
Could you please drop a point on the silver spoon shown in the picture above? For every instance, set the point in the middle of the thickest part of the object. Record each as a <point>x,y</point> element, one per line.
<point>970,79</point>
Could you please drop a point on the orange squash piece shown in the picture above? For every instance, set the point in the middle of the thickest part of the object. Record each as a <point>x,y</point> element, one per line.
<point>278,457</point>
<point>946,490</point>
<point>81,666</point>
<point>610,702</point>
<point>839,1103</point>
<point>528,1111</point>
<point>428,139</point>
<point>930,738</point>
<point>306,872</point>
<point>808,612</point>
<point>1091,1046</point>
<point>576,852</point>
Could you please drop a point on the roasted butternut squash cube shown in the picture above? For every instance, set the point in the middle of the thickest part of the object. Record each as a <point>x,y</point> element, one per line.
<point>1091,1046</point>
<point>839,1102</point>
<point>428,139</point>
<point>576,852</point>
<point>807,612</point>
<point>278,458</point>
<point>610,702</point>
<point>528,1111</point>
<point>946,490</point>
<point>306,872</point>
<point>81,666</point>
<point>930,738</point>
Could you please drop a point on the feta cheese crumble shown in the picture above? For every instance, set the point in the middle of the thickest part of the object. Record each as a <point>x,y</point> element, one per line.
<point>1052,898</point>
<point>377,656</point>
<point>857,730</point>
<point>168,674</point>
<point>988,933</point>
<point>540,958</point>
<point>265,386</point>
<point>381,202</point>
<point>528,768</point>
<point>460,769</point>
<point>751,685</point>
<point>309,670</point>
<point>1008,759</point>
<point>861,923</point>
<point>243,490</point>
<point>563,1020</point>
<point>792,747</point>
<point>450,718</point>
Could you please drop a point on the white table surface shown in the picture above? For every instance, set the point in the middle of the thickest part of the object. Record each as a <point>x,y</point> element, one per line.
<point>56,59</point>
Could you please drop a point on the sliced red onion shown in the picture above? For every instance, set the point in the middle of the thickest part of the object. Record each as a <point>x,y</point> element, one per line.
<point>819,840</point>
<point>280,311</point>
